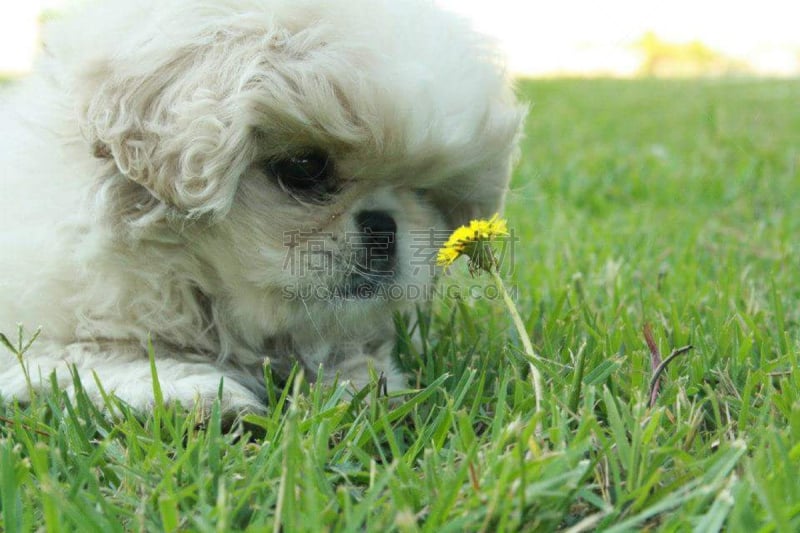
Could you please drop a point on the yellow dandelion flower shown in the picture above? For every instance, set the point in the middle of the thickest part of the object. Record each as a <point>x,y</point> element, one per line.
<point>488,229</point>
<point>472,241</point>
<point>447,255</point>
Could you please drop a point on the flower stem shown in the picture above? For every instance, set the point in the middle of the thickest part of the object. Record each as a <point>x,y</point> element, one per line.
<point>530,355</point>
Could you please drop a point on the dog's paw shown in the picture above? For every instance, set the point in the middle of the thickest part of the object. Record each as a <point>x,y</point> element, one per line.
<point>125,373</point>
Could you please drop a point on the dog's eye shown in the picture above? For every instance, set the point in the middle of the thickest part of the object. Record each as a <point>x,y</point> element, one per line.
<point>305,173</point>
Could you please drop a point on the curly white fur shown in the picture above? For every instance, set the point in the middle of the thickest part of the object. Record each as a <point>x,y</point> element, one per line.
<point>135,206</point>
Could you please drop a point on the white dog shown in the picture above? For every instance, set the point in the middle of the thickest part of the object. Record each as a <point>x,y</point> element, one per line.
<point>239,181</point>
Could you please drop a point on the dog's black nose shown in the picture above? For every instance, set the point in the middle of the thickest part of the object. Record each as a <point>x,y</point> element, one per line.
<point>376,222</point>
<point>378,232</point>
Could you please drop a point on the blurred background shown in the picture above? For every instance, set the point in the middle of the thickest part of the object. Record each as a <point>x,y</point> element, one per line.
<point>617,38</point>
<point>624,38</point>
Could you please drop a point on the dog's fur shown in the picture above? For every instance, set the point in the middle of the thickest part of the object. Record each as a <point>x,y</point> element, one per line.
<point>137,203</point>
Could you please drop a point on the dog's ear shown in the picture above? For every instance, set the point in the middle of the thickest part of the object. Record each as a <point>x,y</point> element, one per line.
<point>480,191</point>
<point>170,133</point>
<point>468,198</point>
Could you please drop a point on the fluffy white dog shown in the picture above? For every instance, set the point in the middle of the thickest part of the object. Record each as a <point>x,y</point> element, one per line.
<point>239,181</point>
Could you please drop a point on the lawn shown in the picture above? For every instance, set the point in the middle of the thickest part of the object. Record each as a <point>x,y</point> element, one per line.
<point>659,206</point>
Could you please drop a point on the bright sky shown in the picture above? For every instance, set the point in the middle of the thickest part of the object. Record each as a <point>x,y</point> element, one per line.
<point>545,36</point>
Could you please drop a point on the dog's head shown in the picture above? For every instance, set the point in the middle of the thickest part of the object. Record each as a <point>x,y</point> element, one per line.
<point>306,151</point>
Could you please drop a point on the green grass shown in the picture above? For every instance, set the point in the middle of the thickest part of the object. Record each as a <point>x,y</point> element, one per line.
<point>669,203</point>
